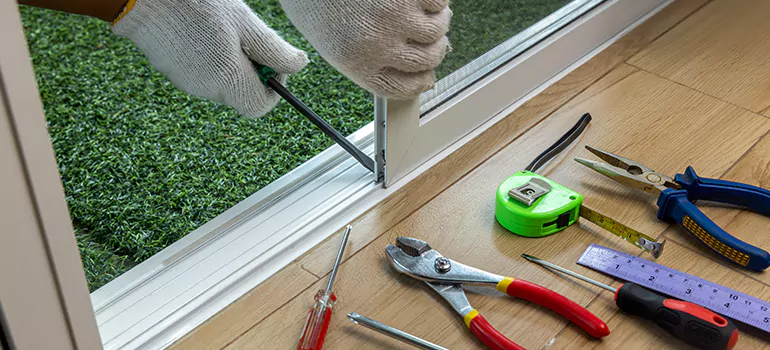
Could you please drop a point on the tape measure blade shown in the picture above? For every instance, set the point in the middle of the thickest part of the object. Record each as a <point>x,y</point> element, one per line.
<point>674,283</point>
<point>618,229</point>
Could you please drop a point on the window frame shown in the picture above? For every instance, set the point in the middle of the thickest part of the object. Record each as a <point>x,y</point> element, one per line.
<point>418,129</point>
<point>168,295</point>
<point>34,213</point>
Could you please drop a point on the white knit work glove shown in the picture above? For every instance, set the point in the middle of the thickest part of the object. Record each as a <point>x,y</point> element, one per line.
<point>389,47</point>
<point>204,46</point>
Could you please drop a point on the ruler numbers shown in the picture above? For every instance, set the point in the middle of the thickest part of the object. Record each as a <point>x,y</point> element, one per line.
<point>677,284</point>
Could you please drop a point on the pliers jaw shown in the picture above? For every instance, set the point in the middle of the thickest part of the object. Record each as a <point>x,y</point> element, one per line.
<point>629,172</point>
<point>417,259</point>
<point>454,295</point>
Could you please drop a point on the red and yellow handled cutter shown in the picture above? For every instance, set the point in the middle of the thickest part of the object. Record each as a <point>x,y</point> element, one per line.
<point>417,259</point>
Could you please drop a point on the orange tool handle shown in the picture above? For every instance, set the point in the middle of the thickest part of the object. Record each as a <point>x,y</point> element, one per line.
<point>317,322</point>
<point>577,314</point>
<point>488,334</point>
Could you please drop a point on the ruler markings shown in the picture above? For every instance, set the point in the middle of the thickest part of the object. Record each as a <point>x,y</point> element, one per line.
<point>718,298</point>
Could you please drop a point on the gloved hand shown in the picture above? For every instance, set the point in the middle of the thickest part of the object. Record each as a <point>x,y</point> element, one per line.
<point>389,47</point>
<point>204,46</point>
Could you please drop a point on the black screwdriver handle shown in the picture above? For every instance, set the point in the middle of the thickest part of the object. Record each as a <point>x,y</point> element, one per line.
<point>686,321</point>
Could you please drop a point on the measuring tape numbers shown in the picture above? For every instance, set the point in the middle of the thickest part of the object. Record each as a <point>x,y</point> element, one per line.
<point>628,234</point>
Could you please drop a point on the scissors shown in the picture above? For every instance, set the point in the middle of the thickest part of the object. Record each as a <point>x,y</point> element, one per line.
<point>676,199</point>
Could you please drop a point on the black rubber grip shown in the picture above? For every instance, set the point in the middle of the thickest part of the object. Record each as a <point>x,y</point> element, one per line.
<point>687,322</point>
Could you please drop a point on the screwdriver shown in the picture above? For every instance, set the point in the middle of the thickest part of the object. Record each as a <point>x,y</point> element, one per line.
<point>393,332</point>
<point>317,322</point>
<point>690,323</point>
<point>267,76</point>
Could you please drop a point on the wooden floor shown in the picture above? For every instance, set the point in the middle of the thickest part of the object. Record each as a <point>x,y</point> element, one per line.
<point>688,87</point>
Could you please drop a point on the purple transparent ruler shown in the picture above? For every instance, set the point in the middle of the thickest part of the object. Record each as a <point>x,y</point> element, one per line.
<point>677,284</point>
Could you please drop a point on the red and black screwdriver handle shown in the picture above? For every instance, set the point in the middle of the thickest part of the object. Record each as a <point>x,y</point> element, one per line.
<point>687,322</point>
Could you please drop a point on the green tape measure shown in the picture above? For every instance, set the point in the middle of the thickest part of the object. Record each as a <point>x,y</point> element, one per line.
<point>532,205</point>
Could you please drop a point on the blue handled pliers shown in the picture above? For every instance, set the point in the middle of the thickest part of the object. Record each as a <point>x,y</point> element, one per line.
<point>675,202</point>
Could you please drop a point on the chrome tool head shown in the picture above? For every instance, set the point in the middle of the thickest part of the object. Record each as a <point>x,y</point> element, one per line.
<point>415,258</point>
<point>412,246</point>
<point>629,172</point>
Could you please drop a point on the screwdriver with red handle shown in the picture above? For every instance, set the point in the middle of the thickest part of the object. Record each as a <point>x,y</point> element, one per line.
<point>317,322</point>
<point>690,323</point>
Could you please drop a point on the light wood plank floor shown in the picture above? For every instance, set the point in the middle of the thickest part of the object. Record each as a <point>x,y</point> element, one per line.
<point>721,51</point>
<point>688,87</point>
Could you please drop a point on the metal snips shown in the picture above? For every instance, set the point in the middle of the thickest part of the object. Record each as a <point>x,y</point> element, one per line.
<point>417,259</point>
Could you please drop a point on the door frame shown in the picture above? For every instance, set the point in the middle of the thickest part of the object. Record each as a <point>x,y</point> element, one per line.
<point>44,300</point>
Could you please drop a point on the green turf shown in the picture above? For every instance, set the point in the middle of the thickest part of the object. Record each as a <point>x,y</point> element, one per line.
<point>143,164</point>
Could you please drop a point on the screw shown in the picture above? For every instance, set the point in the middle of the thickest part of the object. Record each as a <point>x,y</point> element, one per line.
<point>654,177</point>
<point>528,192</point>
<point>442,265</point>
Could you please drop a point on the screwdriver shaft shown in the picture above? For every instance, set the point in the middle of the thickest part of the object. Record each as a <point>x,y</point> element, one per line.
<point>393,332</point>
<point>339,258</point>
<point>329,130</point>
<point>317,322</point>
<point>267,76</point>
<point>568,272</point>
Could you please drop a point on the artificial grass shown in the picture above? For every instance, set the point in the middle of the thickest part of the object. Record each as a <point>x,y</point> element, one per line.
<point>143,163</point>
<point>478,26</point>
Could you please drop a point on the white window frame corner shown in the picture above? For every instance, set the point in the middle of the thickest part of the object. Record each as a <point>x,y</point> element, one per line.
<point>484,91</point>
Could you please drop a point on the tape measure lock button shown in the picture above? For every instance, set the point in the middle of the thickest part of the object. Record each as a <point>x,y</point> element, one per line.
<point>532,205</point>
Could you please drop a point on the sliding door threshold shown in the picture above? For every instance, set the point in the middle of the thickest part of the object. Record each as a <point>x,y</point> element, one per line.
<point>168,295</point>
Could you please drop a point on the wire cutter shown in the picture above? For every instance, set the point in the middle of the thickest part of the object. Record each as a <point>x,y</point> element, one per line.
<point>417,259</point>
<point>676,199</point>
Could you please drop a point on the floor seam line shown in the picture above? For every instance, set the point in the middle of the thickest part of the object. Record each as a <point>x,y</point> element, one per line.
<point>308,271</point>
<point>267,316</point>
<point>699,91</point>
<point>615,67</point>
<point>751,148</point>
<point>668,30</point>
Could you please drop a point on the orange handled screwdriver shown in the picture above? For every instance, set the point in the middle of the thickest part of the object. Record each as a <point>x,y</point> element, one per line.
<point>320,315</point>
